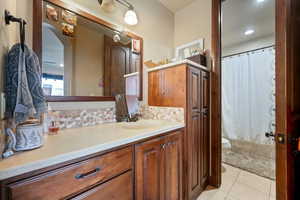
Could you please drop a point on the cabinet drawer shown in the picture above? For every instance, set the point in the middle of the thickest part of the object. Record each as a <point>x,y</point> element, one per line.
<point>66,181</point>
<point>119,188</point>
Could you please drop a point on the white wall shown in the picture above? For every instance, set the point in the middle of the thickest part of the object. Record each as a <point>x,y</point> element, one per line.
<point>9,35</point>
<point>161,29</point>
<point>193,22</point>
<point>89,65</point>
<point>156,26</point>
<point>249,45</point>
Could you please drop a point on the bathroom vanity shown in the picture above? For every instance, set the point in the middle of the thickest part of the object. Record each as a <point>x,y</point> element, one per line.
<point>141,160</point>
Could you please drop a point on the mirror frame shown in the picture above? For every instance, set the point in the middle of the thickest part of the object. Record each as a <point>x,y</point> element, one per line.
<point>37,45</point>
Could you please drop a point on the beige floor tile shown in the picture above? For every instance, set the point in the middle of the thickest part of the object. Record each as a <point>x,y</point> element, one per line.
<point>227,183</point>
<point>257,182</point>
<point>232,171</point>
<point>245,192</point>
<point>229,177</point>
<point>212,195</point>
<point>232,198</point>
<point>241,185</point>
<point>273,189</point>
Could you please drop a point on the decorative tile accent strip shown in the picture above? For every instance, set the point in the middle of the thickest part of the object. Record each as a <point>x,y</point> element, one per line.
<point>81,118</point>
<point>162,113</point>
<point>252,157</point>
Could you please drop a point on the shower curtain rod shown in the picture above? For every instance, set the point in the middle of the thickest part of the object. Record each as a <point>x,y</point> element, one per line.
<point>248,51</point>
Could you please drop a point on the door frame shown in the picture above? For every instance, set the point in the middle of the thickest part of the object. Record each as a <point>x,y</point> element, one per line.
<point>287,94</point>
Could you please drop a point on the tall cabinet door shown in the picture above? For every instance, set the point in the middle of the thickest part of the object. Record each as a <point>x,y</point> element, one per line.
<point>204,129</point>
<point>194,133</point>
<point>117,63</point>
<point>149,171</point>
<point>172,157</point>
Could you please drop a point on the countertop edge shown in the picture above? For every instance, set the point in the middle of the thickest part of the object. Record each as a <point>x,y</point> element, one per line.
<point>22,169</point>
<point>186,61</point>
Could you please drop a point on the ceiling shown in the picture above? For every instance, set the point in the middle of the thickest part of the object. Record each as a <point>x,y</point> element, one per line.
<point>175,5</point>
<point>241,15</point>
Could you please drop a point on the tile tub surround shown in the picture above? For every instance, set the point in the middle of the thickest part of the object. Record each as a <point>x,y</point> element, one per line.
<point>75,143</point>
<point>252,157</point>
<point>162,113</point>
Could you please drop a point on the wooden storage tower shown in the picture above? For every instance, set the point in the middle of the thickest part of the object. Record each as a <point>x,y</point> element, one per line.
<point>187,86</point>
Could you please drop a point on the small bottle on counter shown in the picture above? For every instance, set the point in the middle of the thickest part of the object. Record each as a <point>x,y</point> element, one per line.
<point>53,129</point>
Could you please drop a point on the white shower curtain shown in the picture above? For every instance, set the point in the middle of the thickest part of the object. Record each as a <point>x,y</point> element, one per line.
<point>248,96</point>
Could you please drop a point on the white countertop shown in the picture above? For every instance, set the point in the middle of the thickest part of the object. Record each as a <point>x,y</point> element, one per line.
<point>78,142</point>
<point>173,64</point>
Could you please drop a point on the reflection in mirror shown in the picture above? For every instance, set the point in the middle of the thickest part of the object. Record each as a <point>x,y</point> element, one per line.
<point>83,58</point>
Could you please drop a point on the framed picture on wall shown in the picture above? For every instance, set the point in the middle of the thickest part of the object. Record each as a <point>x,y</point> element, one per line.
<point>136,46</point>
<point>190,49</point>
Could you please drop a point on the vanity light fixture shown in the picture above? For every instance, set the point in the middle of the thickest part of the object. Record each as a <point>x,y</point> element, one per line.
<point>130,16</point>
<point>260,1</point>
<point>249,32</point>
<point>61,65</point>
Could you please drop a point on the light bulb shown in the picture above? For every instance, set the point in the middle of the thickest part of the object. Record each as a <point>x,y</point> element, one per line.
<point>130,17</point>
<point>249,32</point>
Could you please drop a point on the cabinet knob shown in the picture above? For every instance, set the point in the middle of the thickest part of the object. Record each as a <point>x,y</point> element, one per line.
<point>204,111</point>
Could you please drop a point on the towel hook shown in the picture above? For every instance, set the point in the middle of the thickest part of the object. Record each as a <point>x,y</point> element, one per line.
<point>10,18</point>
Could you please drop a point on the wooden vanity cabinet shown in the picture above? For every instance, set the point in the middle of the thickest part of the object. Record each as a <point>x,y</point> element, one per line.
<point>144,170</point>
<point>187,86</point>
<point>159,168</point>
<point>65,182</point>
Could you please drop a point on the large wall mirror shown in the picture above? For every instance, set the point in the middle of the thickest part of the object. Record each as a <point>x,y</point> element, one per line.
<point>85,58</point>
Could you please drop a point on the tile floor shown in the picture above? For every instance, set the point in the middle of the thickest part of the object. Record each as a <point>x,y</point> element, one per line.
<point>241,185</point>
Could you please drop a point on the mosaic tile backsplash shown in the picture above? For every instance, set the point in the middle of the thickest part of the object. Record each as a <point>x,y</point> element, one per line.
<point>91,117</point>
<point>81,118</point>
<point>162,113</point>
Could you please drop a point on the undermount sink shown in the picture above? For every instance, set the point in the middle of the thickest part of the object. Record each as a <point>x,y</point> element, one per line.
<point>142,124</point>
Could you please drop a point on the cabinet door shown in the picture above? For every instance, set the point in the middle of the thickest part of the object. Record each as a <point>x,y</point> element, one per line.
<point>204,129</point>
<point>117,63</point>
<point>135,63</point>
<point>167,87</point>
<point>149,168</point>
<point>172,156</point>
<point>194,133</point>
